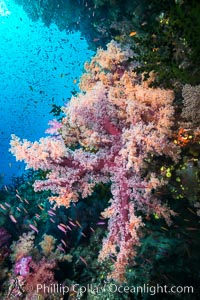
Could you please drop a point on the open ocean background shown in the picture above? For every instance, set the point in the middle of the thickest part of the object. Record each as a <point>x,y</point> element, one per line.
<point>39,66</point>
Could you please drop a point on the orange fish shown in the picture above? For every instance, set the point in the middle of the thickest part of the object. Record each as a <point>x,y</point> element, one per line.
<point>83,234</point>
<point>61,248</point>
<point>96,40</point>
<point>92,229</point>
<point>63,242</point>
<point>26,201</point>
<point>25,210</point>
<point>13,219</point>
<point>34,228</point>
<point>191,210</point>
<point>63,225</point>
<point>18,196</point>
<point>191,228</point>
<point>74,225</point>
<point>164,228</point>
<point>77,222</point>
<point>40,207</point>
<point>62,229</point>
<point>133,33</point>
<point>6,188</point>
<point>83,260</point>
<point>1,205</point>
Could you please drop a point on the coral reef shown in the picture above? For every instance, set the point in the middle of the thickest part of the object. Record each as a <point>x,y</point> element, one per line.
<point>48,245</point>
<point>4,237</point>
<point>42,272</point>
<point>191,102</point>
<point>113,132</point>
<point>4,252</point>
<point>25,286</point>
<point>23,246</point>
<point>111,194</point>
<point>22,266</point>
<point>33,267</point>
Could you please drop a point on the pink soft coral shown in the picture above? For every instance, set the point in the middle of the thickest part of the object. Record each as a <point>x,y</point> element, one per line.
<point>41,273</point>
<point>22,266</point>
<point>122,125</point>
<point>55,126</point>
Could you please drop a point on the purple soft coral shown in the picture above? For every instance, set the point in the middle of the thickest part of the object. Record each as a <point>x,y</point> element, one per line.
<point>22,266</point>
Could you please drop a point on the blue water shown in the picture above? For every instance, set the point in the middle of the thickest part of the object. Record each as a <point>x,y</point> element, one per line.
<point>39,66</point>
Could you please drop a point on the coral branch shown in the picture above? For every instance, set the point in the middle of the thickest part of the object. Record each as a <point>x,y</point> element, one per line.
<point>120,125</point>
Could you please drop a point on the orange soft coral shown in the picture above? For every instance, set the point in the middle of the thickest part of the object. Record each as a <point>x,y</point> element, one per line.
<point>120,125</point>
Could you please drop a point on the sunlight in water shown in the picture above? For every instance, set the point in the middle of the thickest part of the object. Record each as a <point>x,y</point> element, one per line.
<point>40,67</point>
<point>3,9</point>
